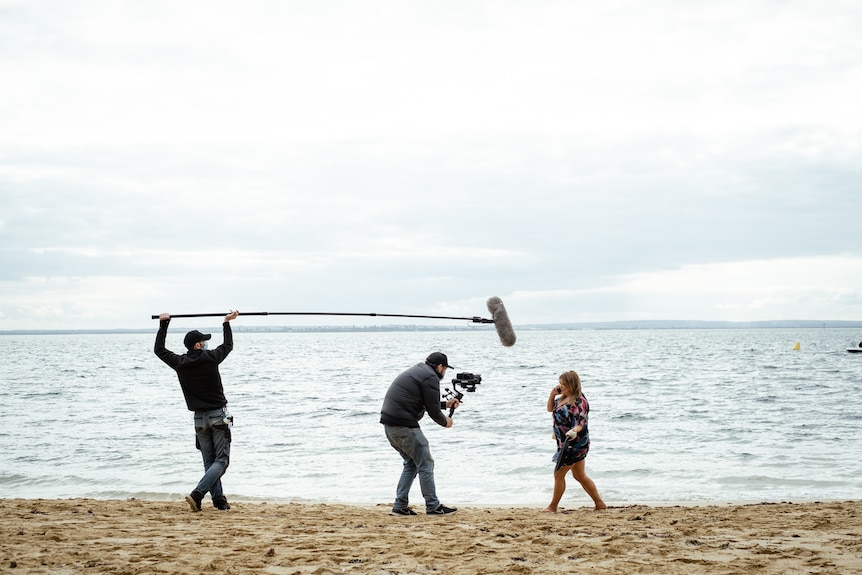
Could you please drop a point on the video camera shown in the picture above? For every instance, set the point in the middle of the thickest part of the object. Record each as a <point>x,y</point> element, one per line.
<point>467,382</point>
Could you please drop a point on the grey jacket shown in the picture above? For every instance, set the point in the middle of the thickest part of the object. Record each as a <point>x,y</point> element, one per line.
<point>410,395</point>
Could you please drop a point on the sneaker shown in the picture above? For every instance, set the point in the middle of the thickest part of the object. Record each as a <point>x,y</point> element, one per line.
<point>442,510</point>
<point>221,503</point>
<point>405,511</point>
<point>194,500</point>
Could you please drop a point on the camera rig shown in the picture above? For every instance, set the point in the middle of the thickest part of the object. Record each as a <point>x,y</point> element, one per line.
<point>467,382</point>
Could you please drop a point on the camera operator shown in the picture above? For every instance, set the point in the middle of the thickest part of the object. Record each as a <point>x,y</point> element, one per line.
<point>410,395</point>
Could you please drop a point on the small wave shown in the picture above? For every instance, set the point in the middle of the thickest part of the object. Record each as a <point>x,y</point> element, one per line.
<point>637,472</point>
<point>629,416</point>
<point>777,482</point>
<point>16,480</point>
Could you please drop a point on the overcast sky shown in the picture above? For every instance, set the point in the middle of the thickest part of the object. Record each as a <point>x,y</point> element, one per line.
<point>584,161</point>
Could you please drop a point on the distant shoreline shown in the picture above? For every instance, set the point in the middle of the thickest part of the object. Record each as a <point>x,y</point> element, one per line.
<point>611,325</point>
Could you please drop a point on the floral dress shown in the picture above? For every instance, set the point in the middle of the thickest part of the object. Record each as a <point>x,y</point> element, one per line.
<point>566,417</point>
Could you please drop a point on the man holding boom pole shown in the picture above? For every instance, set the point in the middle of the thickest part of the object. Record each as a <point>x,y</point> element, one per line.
<point>200,381</point>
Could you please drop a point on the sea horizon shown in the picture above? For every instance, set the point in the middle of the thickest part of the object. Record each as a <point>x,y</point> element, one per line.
<point>624,325</point>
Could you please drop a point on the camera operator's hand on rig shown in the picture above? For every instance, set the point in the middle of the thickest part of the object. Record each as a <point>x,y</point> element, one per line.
<point>468,382</point>
<point>452,404</point>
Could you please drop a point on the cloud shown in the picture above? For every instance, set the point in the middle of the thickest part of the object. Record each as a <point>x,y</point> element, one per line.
<point>565,155</point>
<point>757,290</point>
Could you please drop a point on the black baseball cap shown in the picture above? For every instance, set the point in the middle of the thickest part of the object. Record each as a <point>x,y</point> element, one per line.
<point>195,336</point>
<point>438,358</point>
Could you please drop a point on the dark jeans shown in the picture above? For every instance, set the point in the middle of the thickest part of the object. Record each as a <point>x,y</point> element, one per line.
<point>213,439</point>
<point>410,442</point>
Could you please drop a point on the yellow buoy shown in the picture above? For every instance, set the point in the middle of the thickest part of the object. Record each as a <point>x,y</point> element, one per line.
<point>796,347</point>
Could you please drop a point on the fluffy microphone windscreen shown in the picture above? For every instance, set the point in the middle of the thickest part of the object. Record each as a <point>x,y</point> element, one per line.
<point>501,321</point>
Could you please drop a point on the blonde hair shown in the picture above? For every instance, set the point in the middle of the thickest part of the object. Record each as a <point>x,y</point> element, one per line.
<point>572,381</point>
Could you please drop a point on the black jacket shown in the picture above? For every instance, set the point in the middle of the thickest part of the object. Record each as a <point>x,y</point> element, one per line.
<point>410,395</point>
<point>197,370</point>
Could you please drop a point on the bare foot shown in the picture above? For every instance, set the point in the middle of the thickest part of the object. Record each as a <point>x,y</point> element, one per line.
<point>601,507</point>
<point>549,510</point>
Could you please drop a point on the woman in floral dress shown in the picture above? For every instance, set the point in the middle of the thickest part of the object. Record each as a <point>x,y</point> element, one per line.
<point>570,409</point>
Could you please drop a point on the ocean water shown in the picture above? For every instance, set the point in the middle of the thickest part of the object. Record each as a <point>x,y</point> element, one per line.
<point>677,416</point>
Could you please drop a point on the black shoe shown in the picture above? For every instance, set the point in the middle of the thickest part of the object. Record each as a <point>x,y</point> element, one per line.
<point>194,500</point>
<point>221,503</point>
<point>404,511</point>
<point>442,510</point>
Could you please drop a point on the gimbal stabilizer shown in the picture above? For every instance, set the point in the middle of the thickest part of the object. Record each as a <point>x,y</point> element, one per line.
<point>467,381</point>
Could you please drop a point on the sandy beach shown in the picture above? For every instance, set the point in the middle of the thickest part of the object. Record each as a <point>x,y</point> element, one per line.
<point>130,537</point>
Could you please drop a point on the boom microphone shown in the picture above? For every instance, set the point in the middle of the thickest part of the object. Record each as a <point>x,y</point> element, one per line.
<point>504,328</point>
<point>500,318</point>
<point>474,319</point>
